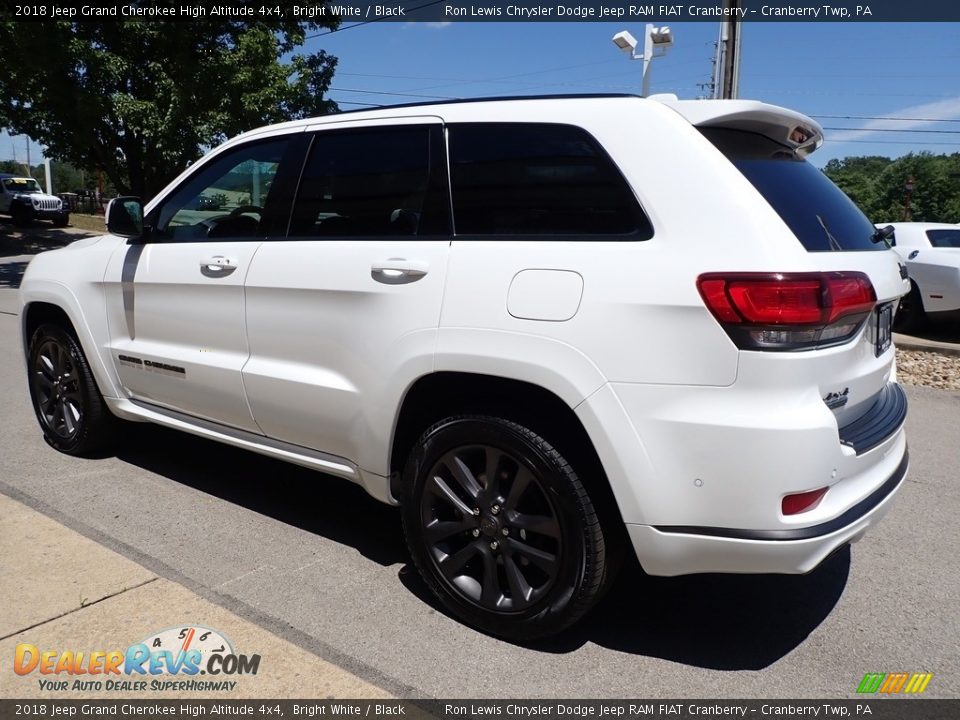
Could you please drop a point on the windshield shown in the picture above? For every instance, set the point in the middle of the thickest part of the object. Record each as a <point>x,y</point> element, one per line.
<point>24,185</point>
<point>816,210</point>
<point>944,238</point>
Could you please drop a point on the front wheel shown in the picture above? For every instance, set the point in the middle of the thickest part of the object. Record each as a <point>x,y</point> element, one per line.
<point>71,412</point>
<point>22,216</point>
<point>501,528</point>
<point>910,313</point>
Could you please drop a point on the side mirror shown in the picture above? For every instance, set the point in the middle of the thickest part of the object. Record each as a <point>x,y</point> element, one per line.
<point>125,217</point>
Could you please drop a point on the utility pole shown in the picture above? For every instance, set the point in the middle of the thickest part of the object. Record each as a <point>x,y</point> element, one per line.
<point>908,186</point>
<point>727,78</point>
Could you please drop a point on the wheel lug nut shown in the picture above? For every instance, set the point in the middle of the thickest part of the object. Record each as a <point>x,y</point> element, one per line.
<point>494,545</point>
<point>505,531</point>
<point>476,511</point>
<point>476,532</point>
<point>495,509</point>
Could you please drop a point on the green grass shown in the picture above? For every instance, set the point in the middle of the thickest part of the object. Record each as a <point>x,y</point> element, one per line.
<point>94,223</point>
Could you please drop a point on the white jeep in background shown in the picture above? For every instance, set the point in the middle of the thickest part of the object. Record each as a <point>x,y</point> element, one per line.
<point>23,200</point>
<point>552,330</point>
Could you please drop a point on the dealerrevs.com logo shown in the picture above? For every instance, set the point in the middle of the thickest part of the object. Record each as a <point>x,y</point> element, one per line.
<point>894,683</point>
<point>169,660</point>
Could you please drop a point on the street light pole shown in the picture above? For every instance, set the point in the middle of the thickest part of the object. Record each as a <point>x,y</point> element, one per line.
<point>647,58</point>
<point>653,38</point>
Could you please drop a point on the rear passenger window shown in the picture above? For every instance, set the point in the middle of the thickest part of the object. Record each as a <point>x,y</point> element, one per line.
<point>371,182</point>
<point>538,179</point>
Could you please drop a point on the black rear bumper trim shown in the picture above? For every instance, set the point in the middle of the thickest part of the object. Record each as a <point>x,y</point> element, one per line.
<point>884,418</point>
<point>807,533</point>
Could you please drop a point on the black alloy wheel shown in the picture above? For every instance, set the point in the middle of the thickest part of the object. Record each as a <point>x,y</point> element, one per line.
<point>68,405</point>
<point>501,528</point>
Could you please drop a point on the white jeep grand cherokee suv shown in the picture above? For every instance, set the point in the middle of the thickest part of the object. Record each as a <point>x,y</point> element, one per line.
<point>548,328</point>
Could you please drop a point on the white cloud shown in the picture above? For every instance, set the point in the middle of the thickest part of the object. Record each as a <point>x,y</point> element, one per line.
<point>948,109</point>
<point>437,25</point>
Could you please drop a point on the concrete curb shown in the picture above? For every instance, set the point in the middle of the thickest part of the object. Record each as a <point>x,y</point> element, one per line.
<point>907,342</point>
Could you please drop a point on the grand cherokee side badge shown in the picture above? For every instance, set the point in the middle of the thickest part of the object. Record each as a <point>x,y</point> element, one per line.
<point>836,400</point>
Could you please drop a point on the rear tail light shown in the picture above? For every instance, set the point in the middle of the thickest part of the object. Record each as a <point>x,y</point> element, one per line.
<point>802,502</point>
<point>788,311</point>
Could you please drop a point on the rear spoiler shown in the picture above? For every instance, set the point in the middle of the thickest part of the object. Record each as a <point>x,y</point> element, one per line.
<point>787,127</point>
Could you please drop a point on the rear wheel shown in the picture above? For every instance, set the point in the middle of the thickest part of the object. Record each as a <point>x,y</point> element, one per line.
<point>501,528</point>
<point>71,412</point>
<point>910,314</point>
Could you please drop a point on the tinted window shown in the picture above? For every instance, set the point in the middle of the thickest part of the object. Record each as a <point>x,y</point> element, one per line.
<point>816,210</point>
<point>537,179</point>
<point>371,182</point>
<point>944,238</point>
<point>226,197</point>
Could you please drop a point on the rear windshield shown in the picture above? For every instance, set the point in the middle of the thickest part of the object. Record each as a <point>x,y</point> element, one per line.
<point>944,238</point>
<point>816,210</point>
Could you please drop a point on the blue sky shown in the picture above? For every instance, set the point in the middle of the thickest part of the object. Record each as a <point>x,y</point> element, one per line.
<point>907,70</point>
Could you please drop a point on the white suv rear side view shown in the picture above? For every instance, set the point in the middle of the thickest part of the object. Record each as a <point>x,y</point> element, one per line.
<point>550,329</point>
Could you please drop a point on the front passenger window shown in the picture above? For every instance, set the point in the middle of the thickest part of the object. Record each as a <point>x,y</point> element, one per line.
<point>227,198</point>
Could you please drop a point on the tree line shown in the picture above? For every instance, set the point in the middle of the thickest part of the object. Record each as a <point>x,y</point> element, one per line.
<point>140,100</point>
<point>879,186</point>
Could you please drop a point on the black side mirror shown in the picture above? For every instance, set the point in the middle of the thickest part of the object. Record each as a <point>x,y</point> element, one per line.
<point>125,217</point>
<point>885,235</point>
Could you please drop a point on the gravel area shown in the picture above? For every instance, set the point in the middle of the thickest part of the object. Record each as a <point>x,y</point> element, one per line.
<point>928,368</point>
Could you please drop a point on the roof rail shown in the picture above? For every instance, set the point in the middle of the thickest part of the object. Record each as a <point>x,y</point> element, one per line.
<point>494,98</point>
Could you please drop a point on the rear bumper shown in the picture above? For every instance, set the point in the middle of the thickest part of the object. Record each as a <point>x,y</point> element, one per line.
<point>681,550</point>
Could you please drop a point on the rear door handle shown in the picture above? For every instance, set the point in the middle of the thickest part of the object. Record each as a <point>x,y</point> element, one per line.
<point>398,271</point>
<point>217,266</point>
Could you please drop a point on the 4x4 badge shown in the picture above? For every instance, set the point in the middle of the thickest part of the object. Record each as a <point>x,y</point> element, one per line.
<point>837,399</point>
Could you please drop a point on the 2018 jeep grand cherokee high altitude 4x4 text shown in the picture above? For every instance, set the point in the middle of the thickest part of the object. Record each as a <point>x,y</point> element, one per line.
<point>550,329</point>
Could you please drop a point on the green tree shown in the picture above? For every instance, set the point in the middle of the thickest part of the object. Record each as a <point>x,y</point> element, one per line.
<point>141,99</point>
<point>878,185</point>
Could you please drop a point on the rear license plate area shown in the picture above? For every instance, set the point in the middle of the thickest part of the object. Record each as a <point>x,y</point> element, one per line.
<point>883,324</point>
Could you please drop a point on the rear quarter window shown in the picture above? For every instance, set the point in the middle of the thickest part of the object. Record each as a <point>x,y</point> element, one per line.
<point>538,179</point>
<point>946,238</point>
<point>821,216</point>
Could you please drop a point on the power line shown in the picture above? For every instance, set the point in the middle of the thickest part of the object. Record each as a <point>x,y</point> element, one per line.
<point>890,142</point>
<point>893,130</point>
<point>398,94</point>
<point>871,117</point>
<point>348,102</point>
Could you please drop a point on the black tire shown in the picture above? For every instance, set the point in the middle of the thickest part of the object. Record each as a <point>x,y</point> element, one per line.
<point>520,557</point>
<point>22,216</point>
<point>61,222</point>
<point>69,407</point>
<point>911,317</point>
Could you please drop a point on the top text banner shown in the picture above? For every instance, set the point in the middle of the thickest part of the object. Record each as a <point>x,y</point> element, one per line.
<point>443,11</point>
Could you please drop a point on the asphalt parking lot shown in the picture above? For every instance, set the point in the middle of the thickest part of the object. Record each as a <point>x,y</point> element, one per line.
<point>316,561</point>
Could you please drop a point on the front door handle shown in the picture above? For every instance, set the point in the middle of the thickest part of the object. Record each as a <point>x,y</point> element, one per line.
<point>217,266</point>
<point>398,271</point>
